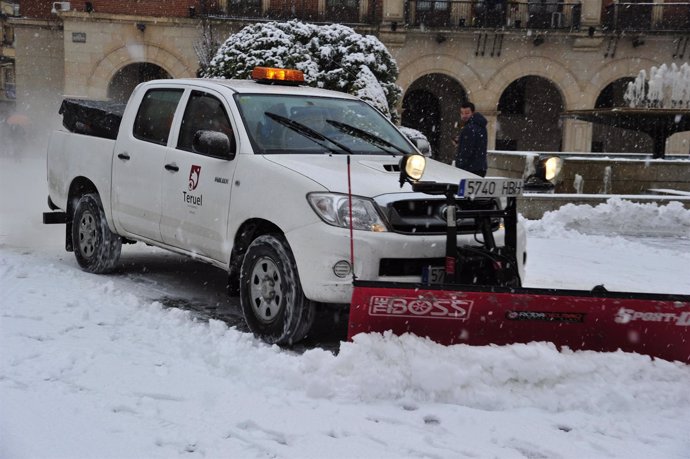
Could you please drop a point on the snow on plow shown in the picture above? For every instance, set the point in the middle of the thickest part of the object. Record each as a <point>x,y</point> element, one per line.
<point>651,324</point>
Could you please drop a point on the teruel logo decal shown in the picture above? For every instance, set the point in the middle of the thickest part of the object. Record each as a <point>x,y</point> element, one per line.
<point>433,308</point>
<point>194,174</point>
<point>194,200</point>
<point>626,315</point>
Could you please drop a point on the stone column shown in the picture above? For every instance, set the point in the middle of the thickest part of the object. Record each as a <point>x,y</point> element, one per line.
<point>577,135</point>
<point>223,5</point>
<point>491,126</point>
<point>39,74</point>
<point>393,11</point>
<point>657,12</point>
<point>678,144</point>
<point>591,13</point>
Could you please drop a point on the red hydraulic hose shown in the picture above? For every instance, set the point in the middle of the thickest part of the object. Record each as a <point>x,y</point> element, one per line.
<point>352,236</point>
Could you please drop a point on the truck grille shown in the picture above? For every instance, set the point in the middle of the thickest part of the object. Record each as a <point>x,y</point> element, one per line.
<point>407,266</point>
<point>427,216</point>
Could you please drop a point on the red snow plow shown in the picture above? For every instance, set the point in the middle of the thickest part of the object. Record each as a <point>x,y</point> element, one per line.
<point>480,301</point>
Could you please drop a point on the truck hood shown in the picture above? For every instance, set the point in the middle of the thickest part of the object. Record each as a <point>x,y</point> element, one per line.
<point>371,176</point>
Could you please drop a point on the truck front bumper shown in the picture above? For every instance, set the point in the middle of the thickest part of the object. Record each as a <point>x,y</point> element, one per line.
<point>319,247</point>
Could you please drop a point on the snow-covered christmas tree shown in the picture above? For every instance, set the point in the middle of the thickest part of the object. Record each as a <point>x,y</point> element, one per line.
<point>331,56</point>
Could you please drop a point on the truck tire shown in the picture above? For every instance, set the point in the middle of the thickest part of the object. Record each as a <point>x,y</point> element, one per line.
<point>271,296</point>
<point>96,248</point>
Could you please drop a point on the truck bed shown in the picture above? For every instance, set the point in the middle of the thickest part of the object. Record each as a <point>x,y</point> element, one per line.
<point>99,118</point>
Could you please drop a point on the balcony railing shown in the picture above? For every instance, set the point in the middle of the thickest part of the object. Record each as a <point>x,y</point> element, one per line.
<point>534,14</point>
<point>336,11</point>
<point>647,17</point>
<point>458,14</point>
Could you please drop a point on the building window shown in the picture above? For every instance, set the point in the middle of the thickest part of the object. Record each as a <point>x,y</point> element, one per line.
<point>244,8</point>
<point>342,10</point>
<point>7,35</point>
<point>432,13</point>
<point>7,82</point>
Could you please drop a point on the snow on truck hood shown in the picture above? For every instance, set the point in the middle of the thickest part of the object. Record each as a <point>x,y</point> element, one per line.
<point>371,175</point>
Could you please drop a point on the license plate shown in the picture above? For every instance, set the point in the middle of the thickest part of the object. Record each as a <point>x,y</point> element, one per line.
<point>433,275</point>
<point>489,188</point>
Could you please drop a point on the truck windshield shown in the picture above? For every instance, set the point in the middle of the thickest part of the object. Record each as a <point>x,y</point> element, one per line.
<point>261,114</point>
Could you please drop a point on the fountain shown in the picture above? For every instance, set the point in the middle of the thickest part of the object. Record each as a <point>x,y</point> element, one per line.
<point>658,106</point>
<point>666,88</point>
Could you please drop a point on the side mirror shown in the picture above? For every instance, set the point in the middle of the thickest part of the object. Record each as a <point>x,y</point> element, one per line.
<point>423,146</point>
<point>214,143</point>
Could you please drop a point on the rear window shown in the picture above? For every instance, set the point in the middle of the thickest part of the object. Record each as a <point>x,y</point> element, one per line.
<point>155,115</point>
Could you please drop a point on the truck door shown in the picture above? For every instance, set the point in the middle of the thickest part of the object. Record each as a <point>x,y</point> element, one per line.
<point>138,165</point>
<point>196,189</point>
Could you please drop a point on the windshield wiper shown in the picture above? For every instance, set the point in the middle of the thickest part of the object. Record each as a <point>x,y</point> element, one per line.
<point>366,136</point>
<point>309,133</point>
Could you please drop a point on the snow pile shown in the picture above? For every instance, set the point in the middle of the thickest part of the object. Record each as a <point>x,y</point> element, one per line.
<point>616,217</point>
<point>536,375</point>
<point>372,368</point>
<point>626,242</point>
<point>126,377</point>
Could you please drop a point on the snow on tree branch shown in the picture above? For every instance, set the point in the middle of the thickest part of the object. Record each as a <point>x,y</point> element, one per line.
<point>331,56</point>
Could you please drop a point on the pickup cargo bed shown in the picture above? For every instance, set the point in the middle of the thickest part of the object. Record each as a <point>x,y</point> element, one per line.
<point>100,118</point>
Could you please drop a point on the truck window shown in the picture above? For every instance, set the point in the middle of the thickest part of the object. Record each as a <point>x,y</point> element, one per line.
<point>204,112</point>
<point>155,115</point>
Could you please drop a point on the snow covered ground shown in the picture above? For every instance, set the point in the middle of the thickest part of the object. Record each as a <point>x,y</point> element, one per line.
<point>101,366</point>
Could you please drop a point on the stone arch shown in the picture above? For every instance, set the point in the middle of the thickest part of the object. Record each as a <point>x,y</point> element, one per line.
<point>529,116</point>
<point>431,105</point>
<point>128,77</point>
<point>445,65</point>
<point>453,69</point>
<point>610,72</point>
<point>557,74</point>
<point>612,139</point>
<point>112,62</point>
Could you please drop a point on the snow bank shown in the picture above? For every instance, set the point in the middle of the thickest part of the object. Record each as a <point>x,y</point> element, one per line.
<point>372,368</point>
<point>615,217</point>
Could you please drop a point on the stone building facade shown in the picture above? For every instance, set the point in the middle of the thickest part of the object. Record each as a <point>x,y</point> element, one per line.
<point>523,63</point>
<point>8,9</point>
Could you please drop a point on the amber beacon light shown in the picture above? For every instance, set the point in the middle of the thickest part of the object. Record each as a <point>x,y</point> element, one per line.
<point>277,75</point>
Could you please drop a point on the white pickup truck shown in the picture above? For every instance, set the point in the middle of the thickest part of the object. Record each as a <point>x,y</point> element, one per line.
<point>253,176</point>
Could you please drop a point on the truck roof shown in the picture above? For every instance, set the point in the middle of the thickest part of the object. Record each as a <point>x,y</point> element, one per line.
<point>251,86</point>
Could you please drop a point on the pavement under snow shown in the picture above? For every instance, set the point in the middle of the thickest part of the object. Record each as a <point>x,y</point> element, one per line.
<point>102,366</point>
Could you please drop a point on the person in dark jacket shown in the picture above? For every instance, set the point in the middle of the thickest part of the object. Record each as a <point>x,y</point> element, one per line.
<point>470,154</point>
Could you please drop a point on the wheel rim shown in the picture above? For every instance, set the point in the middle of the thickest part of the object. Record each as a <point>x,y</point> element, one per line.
<point>266,287</point>
<point>87,234</point>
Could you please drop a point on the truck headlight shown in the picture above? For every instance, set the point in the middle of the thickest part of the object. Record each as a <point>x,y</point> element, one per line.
<point>552,168</point>
<point>334,209</point>
<point>411,168</point>
<point>546,176</point>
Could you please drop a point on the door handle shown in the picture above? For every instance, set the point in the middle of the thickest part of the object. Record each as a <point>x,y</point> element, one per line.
<point>172,167</point>
<point>124,155</point>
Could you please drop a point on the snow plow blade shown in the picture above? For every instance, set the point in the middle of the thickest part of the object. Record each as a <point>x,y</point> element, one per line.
<point>653,324</point>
